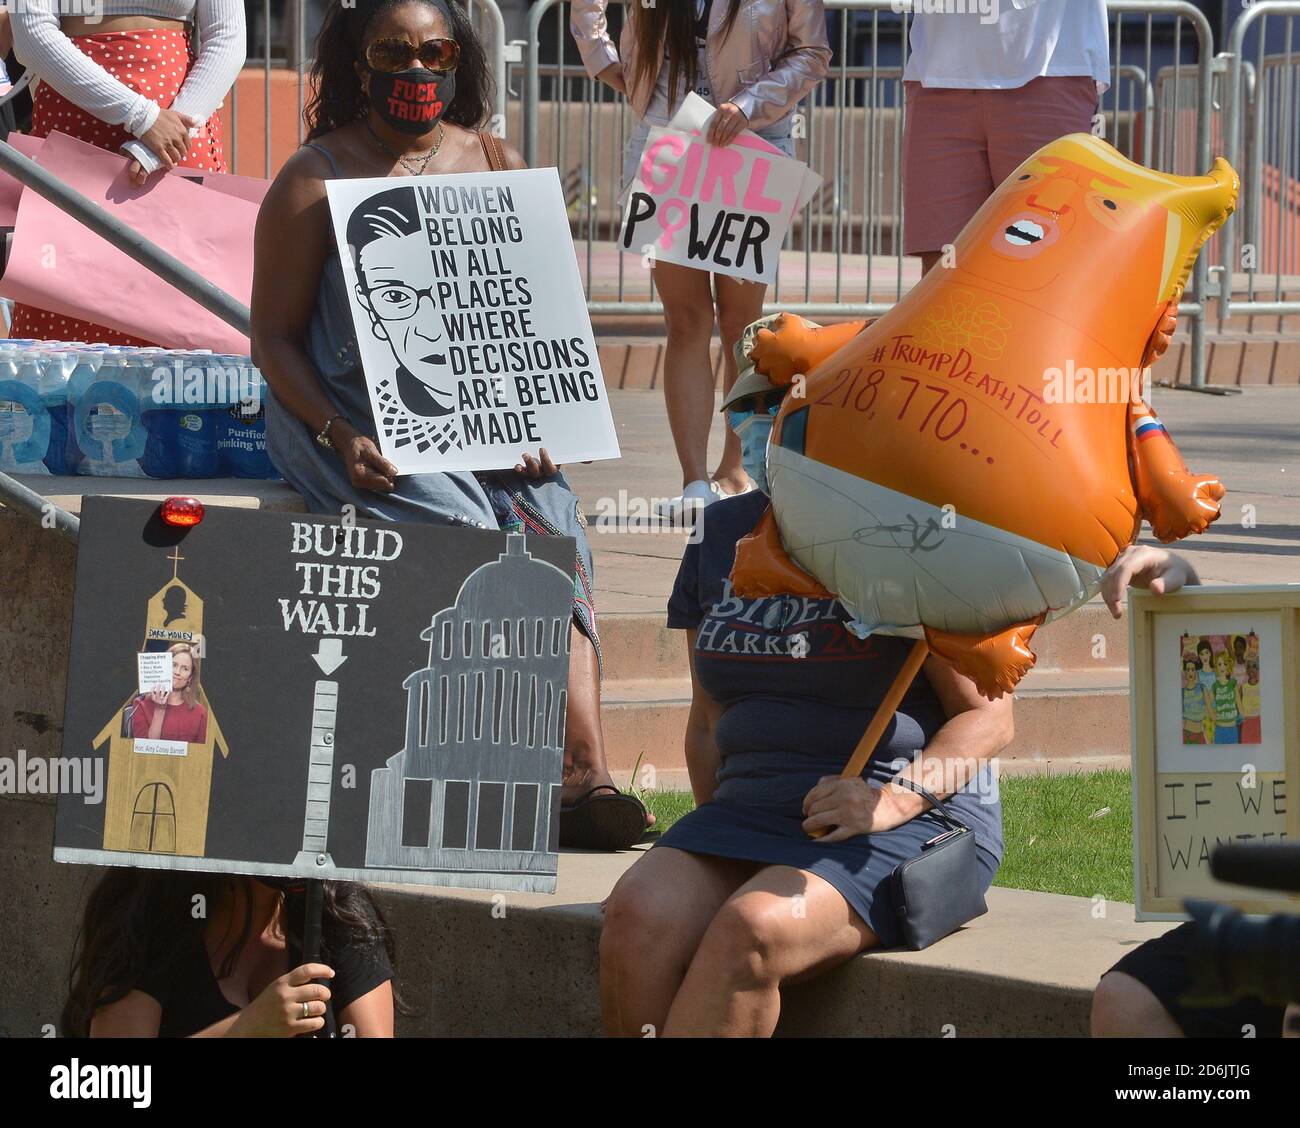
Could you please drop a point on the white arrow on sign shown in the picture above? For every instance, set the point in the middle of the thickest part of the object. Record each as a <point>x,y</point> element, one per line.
<point>329,655</point>
<point>320,763</point>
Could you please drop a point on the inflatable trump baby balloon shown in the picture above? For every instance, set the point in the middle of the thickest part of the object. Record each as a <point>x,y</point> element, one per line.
<point>965,468</point>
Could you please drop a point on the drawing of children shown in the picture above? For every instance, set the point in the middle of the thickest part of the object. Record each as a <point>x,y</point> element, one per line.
<point>1225,699</point>
<point>1250,703</point>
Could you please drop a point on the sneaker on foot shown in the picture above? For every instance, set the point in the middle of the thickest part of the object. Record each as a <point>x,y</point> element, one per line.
<point>694,497</point>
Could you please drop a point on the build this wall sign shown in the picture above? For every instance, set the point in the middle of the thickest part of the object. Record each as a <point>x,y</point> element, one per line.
<point>290,695</point>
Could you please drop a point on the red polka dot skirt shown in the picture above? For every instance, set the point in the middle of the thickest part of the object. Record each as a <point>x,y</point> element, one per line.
<point>153,61</point>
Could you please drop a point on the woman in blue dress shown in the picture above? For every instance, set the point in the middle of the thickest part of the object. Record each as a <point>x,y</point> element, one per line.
<point>737,898</point>
<point>319,423</point>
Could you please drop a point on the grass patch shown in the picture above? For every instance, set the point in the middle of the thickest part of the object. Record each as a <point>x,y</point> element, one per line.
<point>667,806</point>
<point>1053,842</point>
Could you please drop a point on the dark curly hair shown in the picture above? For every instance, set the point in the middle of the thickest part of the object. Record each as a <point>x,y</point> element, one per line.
<point>336,94</point>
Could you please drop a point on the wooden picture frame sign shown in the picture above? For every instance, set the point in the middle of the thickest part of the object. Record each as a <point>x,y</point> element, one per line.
<point>1214,673</point>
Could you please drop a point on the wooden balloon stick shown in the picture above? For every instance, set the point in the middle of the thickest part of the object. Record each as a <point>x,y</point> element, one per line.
<point>888,707</point>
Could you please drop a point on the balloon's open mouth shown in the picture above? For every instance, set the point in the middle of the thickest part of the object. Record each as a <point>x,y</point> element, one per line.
<point>434,358</point>
<point>1023,233</point>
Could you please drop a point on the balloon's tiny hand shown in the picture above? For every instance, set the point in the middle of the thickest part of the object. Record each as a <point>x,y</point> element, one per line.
<point>1162,335</point>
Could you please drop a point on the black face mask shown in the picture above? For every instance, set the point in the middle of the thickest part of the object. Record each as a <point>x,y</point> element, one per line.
<point>411,101</point>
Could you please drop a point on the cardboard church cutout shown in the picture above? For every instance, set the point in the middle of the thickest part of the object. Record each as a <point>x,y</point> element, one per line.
<point>158,789</point>
<point>392,698</point>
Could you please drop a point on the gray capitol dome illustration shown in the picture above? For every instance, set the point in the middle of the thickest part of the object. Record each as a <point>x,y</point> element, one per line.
<point>462,794</point>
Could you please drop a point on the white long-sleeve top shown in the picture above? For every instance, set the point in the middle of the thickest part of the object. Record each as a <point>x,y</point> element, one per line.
<point>50,55</point>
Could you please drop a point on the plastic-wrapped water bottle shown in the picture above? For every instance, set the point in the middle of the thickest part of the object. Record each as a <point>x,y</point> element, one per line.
<point>64,456</point>
<point>196,430</point>
<point>241,436</point>
<point>164,401</point>
<point>24,420</point>
<point>106,418</point>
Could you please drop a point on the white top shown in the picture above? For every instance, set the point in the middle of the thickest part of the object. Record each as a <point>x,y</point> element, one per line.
<point>952,45</point>
<point>51,56</point>
<point>661,108</point>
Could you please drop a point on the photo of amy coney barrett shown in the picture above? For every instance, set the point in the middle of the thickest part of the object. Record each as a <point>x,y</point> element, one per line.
<point>175,714</point>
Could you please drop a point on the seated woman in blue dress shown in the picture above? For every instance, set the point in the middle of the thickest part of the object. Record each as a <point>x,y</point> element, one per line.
<point>737,898</point>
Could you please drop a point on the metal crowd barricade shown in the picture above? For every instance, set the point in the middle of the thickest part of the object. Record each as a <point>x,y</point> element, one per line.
<point>298,59</point>
<point>844,253</point>
<point>1263,141</point>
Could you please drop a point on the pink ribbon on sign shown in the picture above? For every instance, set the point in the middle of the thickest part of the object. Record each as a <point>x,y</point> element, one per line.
<point>57,264</point>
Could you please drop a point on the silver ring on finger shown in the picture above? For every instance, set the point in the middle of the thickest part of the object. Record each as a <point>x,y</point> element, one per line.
<point>306,1009</point>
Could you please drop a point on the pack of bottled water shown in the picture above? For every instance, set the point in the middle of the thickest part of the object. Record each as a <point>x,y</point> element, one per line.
<point>105,410</point>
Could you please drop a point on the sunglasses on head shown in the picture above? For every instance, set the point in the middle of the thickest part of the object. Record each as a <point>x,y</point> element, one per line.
<point>391,55</point>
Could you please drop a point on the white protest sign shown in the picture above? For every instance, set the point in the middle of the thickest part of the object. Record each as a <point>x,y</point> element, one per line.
<point>471,319</point>
<point>694,115</point>
<point>155,671</point>
<point>723,209</point>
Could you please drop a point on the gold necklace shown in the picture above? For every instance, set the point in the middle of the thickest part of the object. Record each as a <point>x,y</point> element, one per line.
<point>410,160</point>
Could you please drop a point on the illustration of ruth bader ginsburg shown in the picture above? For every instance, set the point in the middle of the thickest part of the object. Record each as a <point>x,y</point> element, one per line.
<point>397,287</point>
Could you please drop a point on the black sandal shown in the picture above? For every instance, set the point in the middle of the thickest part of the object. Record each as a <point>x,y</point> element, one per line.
<point>603,822</point>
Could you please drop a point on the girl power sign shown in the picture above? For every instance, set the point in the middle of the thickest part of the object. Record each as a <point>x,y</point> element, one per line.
<point>721,209</point>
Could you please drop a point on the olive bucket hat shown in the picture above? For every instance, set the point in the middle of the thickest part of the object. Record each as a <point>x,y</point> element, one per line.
<point>751,383</point>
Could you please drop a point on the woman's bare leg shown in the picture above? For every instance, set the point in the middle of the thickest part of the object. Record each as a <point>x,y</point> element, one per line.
<point>584,739</point>
<point>781,925</point>
<point>688,368</point>
<point>740,303</point>
<point>653,923</point>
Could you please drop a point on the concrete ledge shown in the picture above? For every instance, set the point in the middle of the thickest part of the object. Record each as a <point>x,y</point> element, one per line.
<point>527,965</point>
<point>238,493</point>
<point>511,964</point>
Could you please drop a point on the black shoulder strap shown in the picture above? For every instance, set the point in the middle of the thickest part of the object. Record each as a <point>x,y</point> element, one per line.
<point>943,811</point>
<point>334,168</point>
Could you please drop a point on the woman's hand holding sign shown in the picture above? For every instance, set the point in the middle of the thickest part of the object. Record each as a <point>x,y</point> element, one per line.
<point>287,1007</point>
<point>367,469</point>
<point>728,123</point>
<point>543,466</point>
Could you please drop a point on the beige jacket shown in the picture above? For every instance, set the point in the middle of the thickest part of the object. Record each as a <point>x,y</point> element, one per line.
<point>777,51</point>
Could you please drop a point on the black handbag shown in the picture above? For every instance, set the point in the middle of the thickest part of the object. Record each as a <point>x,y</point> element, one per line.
<point>938,891</point>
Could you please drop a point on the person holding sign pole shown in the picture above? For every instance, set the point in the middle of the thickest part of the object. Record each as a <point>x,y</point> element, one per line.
<point>755,60</point>
<point>169,954</point>
<point>401,89</point>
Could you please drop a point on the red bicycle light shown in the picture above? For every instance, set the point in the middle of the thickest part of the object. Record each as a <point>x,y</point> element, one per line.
<point>182,511</point>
